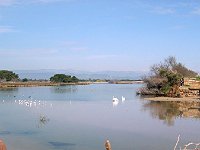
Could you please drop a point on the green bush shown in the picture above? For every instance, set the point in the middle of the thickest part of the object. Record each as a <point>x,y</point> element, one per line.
<point>64,78</point>
<point>8,75</point>
<point>25,80</point>
<point>198,78</point>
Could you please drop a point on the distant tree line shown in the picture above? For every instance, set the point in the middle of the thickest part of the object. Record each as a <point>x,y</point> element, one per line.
<point>64,78</point>
<point>6,76</point>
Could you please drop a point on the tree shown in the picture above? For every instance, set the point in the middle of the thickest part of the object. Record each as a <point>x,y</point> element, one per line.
<point>170,64</point>
<point>75,79</point>
<point>63,78</point>
<point>25,80</point>
<point>166,77</point>
<point>6,75</point>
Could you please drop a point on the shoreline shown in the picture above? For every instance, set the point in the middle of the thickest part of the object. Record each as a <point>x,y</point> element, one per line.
<point>37,83</point>
<point>48,83</point>
<point>171,99</point>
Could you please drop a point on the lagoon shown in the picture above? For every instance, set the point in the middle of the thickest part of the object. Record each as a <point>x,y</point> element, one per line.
<point>82,117</point>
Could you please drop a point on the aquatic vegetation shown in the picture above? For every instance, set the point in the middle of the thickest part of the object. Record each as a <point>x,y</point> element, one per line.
<point>43,120</point>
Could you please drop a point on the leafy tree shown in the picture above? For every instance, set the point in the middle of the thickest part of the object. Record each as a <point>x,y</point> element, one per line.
<point>63,78</point>
<point>173,79</point>
<point>75,79</point>
<point>198,78</point>
<point>25,80</point>
<point>6,75</point>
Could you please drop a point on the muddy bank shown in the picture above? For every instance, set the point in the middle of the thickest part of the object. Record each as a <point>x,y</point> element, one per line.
<point>36,83</point>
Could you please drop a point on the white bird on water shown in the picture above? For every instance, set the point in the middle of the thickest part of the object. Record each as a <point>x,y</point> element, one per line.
<point>115,101</point>
<point>123,98</point>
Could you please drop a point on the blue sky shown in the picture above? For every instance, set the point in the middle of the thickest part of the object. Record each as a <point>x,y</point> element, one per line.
<point>96,35</point>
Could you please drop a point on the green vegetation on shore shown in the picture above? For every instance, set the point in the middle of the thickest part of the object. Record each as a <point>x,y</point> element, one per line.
<point>166,78</point>
<point>6,75</point>
<point>64,78</point>
<point>9,79</point>
<point>198,78</point>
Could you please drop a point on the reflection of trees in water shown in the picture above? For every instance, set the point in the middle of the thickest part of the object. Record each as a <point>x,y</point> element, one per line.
<point>8,93</point>
<point>8,89</point>
<point>169,111</point>
<point>65,89</point>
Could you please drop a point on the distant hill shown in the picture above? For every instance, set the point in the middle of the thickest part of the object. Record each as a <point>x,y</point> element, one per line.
<point>111,75</point>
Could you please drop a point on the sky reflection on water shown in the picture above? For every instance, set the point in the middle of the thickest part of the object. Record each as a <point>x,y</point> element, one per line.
<point>83,117</point>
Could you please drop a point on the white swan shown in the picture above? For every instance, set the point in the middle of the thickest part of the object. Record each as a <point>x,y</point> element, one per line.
<point>123,98</point>
<point>115,101</point>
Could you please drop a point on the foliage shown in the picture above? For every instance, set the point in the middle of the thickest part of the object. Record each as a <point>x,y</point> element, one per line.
<point>198,78</point>
<point>166,76</point>
<point>163,81</point>
<point>64,78</point>
<point>75,79</point>
<point>6,75</point>
<point>25,80</point>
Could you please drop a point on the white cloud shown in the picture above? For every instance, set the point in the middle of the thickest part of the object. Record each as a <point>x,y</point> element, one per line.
<point>6,29</point>
<point>6,2</point>
<point>178,27</point>
<point>196,11</point>
<point>163,10</point>
<point>48,1</point>
<point>18,2</point>
<point>69,43</point>
<point>101,57</point>
<point>29,53</point>
<point>79,49</point>
<point>74,46</point>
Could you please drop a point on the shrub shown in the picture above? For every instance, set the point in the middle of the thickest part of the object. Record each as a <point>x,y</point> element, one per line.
<point>6,75</point>
<point>64,78</point>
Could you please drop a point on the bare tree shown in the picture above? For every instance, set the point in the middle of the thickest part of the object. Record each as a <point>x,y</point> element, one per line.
<point>170,64</point>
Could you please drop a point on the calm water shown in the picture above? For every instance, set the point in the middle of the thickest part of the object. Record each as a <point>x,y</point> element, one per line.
<point>83,117</point>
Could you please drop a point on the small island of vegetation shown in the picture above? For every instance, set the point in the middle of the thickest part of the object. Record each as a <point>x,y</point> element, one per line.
<point>64,78</point>
<point>10,79</point>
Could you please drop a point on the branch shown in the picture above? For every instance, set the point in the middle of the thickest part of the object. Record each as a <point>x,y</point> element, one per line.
<point>177,142</point>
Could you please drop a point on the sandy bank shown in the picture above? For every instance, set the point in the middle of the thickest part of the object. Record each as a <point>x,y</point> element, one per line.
<point>170,99</point>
